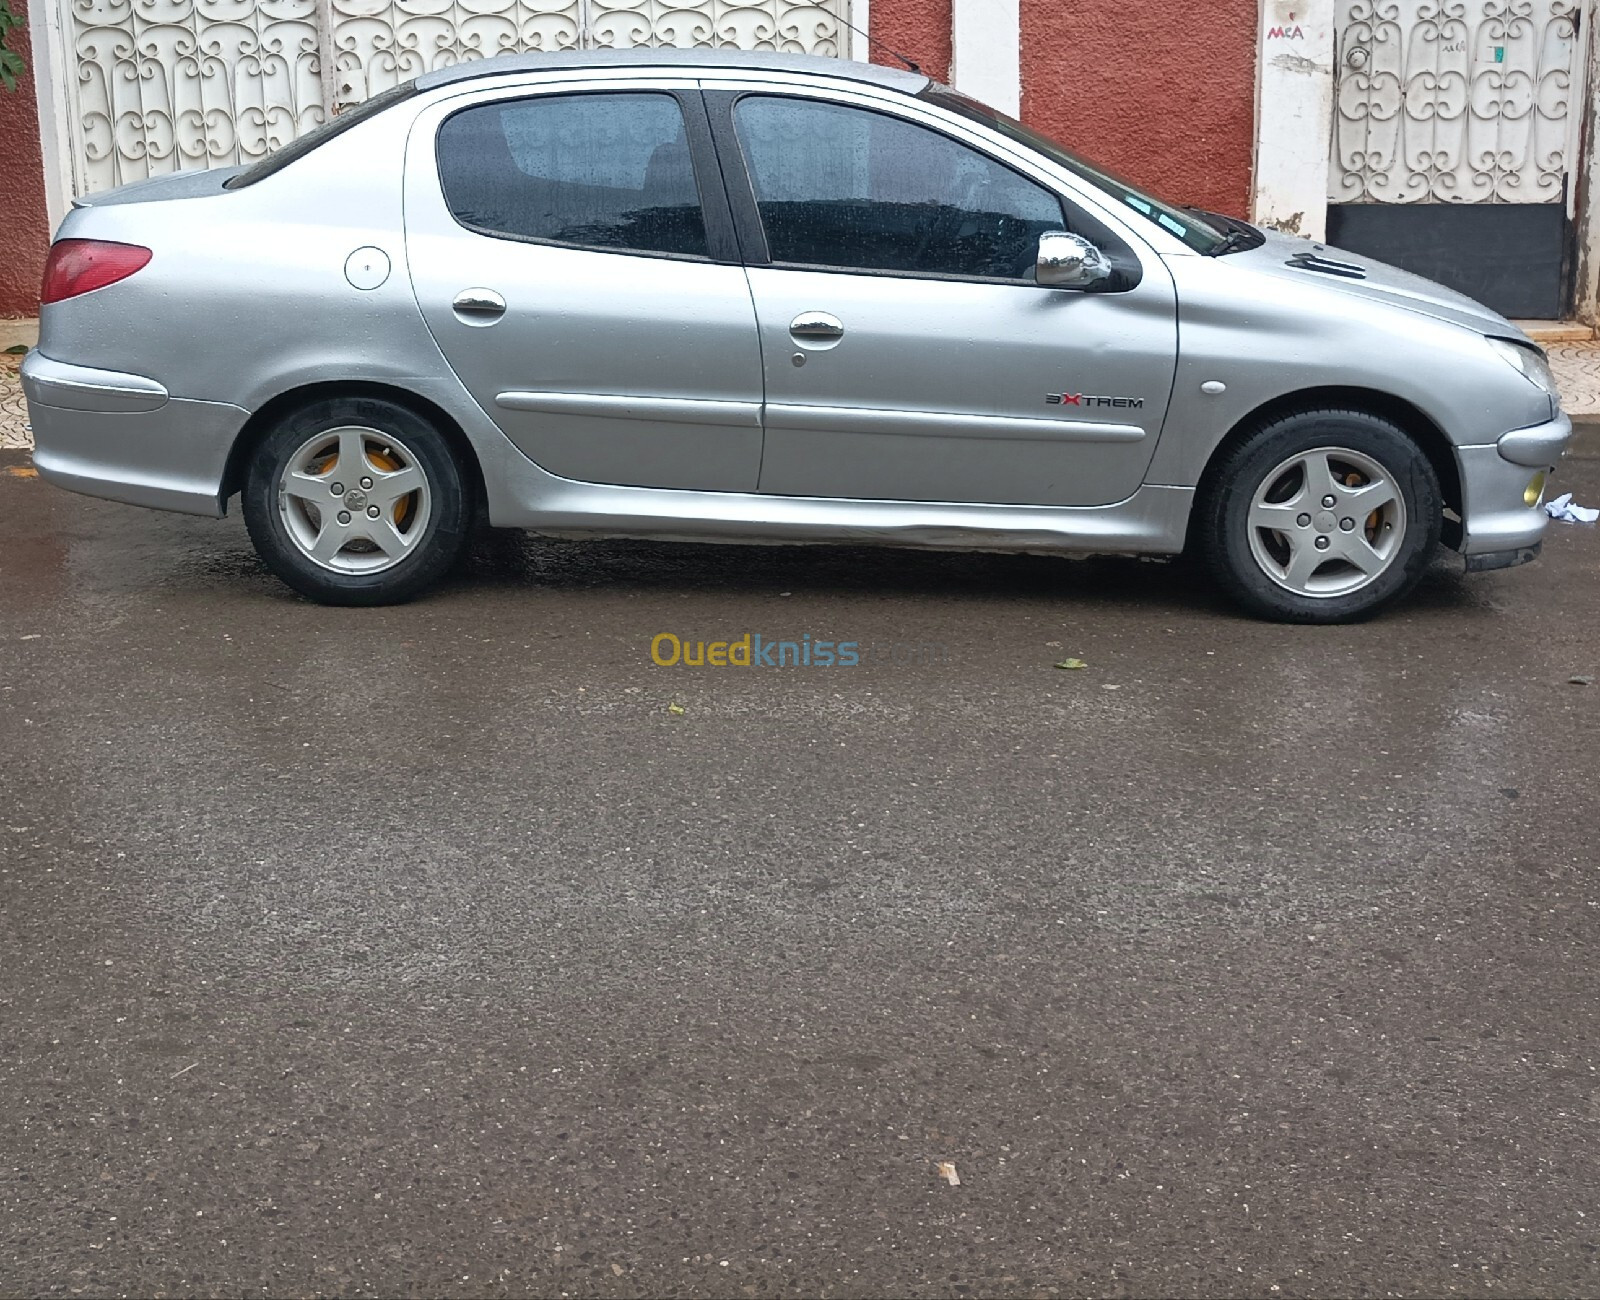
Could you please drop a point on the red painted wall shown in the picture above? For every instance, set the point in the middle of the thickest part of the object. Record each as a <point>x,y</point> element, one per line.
<point>24,228</point>
<point>918,29</point>
<point>1162,94</point>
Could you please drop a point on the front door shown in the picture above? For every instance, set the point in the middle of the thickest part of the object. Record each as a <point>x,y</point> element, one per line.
<point>1455,137</point>
<point>589,299</point>
<point>909,354</point>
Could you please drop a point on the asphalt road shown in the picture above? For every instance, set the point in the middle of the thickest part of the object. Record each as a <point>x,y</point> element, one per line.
<point>429,950</point>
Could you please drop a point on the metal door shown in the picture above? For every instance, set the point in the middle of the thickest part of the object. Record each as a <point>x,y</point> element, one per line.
<point>934,390</point>
<point>609,366</point>
<point>888,384</point>
<point>1455,142</point>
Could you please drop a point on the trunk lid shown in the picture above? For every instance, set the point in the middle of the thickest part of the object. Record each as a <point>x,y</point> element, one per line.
<point>159,189</point>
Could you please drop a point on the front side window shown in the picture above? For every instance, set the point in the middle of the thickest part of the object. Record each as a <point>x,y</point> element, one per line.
<point>608,171</point>
<point>850,188</point>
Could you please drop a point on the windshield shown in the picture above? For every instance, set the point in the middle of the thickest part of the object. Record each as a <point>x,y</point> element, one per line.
<point>1198,233</point>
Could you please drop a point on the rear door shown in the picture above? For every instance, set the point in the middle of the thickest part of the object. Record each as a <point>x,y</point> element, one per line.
<point>572,253</point>
<point>909,352</point>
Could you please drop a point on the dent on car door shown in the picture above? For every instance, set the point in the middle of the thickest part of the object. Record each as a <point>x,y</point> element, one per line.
<point>573,256</point>
<point>909,352</point>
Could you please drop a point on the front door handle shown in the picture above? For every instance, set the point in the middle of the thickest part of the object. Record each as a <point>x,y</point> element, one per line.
<point>482,305</point>
<point>816,325</point>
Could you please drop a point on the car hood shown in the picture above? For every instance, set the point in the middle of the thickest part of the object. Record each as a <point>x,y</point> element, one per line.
<point>1293,258</point>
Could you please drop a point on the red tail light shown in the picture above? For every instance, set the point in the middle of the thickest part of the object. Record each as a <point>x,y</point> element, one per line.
<point>78,265</point>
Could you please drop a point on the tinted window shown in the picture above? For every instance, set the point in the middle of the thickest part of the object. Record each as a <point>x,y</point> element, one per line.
<point>601,171</point>
<point>846,187</point>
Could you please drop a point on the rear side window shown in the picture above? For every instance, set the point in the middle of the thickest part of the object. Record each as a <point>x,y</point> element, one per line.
<point>608,171</point>
<point>847,187</point>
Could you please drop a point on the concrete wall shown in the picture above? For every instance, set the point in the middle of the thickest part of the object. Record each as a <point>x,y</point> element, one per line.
<point>986,52</point>
<point>1163,94</point>
<point>1295,77</point>
<point>24,229</point>
<point>919,29</point>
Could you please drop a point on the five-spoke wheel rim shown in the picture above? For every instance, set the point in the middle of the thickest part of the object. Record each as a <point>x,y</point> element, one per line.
<point>1327,522</point>
<point>354,500</point>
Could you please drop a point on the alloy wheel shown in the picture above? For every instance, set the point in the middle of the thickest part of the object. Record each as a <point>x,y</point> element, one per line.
<point>1326,522</point>
<point>354,500</point>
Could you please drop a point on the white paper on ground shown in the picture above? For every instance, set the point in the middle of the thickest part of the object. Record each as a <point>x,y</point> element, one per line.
<point>1565,509</point>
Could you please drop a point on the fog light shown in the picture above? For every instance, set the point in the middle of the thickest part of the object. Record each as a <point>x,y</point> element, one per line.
<point>1535,490</point>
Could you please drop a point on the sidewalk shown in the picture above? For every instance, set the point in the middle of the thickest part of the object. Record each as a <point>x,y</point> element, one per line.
<point>1577,367</point>
<point>13,413</point>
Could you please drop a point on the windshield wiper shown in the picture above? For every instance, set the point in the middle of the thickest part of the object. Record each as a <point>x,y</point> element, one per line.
<point>1235,241</point>
<point>1241,235</point>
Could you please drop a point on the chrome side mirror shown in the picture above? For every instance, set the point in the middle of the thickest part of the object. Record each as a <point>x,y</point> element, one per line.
<point>1069,262</point>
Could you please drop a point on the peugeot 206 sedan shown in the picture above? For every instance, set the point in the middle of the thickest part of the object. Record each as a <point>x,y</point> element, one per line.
<point>749,297</point>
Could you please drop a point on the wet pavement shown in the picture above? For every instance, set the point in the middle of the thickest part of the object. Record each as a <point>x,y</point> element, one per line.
<point>429,950</point>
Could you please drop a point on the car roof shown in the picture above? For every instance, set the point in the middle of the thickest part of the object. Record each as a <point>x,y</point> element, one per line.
<point>709,60</point>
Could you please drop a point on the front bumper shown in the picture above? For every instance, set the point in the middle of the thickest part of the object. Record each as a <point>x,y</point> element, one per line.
<point>1486,561</point>
<point>1495,517</point>
<point>123,437</point>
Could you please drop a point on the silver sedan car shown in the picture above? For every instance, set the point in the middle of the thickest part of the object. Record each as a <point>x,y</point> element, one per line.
<point>748,297</point>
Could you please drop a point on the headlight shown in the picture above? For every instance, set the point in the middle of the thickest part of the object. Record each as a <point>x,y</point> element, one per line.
<point>1530,362</point>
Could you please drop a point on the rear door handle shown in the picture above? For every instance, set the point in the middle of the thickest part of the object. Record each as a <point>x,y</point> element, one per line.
<point>816,325</point>
<point>481,305</point>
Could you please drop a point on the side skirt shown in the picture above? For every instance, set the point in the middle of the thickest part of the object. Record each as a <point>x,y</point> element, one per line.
<point>1153,521</point>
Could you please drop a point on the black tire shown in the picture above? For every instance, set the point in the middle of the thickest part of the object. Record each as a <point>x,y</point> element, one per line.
<point>1223,535</point>
<point>444,530</point>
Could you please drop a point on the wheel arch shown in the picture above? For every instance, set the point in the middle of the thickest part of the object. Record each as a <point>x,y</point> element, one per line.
<point>269,413</point>
<point>1407,417</point>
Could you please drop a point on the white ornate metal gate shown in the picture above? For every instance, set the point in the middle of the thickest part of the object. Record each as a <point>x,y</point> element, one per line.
<point>1456,101</point>
<point>1446,105</point>
<point>156,86</point>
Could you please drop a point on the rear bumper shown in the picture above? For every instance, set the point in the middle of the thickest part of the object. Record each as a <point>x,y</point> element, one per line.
<point>124,438</point>
<point>1496,519</point>
<point>83,388</point>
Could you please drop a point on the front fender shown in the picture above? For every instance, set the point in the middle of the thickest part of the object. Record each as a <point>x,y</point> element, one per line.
<point>1265,338</point>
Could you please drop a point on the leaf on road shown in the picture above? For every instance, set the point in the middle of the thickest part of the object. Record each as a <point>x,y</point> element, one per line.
<point>1072,663</point>
<point>674,707</point>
